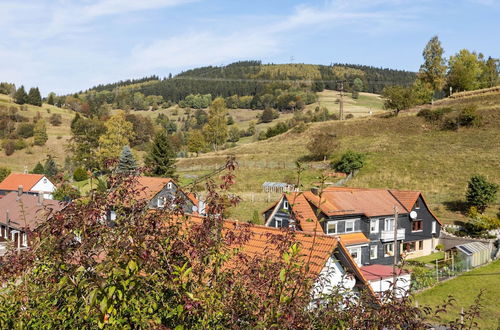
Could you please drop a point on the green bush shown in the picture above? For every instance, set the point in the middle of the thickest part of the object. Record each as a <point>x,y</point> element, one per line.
<point>80,174</point>
<point>8,147</point>
<point>434,115</point>
<point>422,277</point>
<point>349,162</point>
<point>480,193</point>
<point>468,117</point>
<point>4,172</point>
<point>25,130</point>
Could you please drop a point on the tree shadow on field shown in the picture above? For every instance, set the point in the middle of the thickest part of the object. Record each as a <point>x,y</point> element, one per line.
<point>456,206</point>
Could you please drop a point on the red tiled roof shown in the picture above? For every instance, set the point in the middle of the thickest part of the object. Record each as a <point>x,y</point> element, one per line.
<point>303,212</point>
<point>406,197</point>
<point>370,202</point>
<point>378,272</point>
<point>25,211</point>
<point>354,238</point>
<point>148,186</point>
<point>14,180</point>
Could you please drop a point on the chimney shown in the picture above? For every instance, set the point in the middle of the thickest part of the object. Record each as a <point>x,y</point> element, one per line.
<point>19,191</point>
<point>40,198</point>
<point>315,190</point>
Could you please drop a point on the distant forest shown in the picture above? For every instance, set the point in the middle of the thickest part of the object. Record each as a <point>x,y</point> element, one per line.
<point>252,78</point>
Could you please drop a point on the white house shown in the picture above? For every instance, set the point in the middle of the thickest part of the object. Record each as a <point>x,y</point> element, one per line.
<point>27,183</point>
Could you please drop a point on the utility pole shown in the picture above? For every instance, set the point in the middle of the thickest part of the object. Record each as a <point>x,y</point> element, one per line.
<point>341,101</point>
<point>396,247</point>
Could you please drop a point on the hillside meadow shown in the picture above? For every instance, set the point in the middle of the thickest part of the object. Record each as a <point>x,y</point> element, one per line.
<point>403,152</point>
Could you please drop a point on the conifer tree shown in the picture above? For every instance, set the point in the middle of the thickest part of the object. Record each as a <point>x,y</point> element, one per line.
<point>40,133</point>
<point>50,167</point>
<point>20,96</point>
<point>38,169</point>
<point>126,163</point>
<point>51,98</point>
<point>161,157</point>
<point>34,97</point>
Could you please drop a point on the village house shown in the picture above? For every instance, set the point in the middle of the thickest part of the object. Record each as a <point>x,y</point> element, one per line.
<point>33,184</point>
<point>364,219</point>
<point>21,213</point>
<point>330,264</point>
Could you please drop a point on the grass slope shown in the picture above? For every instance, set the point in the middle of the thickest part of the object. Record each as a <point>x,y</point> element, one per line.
<point>464,289</point>
<point>403,152</point>
<point>55,146</point>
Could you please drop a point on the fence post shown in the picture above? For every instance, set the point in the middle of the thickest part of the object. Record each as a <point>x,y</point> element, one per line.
<point>437,271</point>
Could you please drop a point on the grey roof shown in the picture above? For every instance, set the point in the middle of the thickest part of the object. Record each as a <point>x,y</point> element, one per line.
<point>471,248</point>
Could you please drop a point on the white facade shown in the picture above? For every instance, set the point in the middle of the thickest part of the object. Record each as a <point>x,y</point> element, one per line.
<point>45,186</point>
<point>402,284</point>
<point>333,277</point>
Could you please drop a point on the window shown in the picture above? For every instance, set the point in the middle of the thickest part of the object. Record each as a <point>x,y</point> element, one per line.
<point>388,250</point>
<point>373,252</point>
<point>417,225</point>
<point>420,245</point>
<point>169,185</point>
<point>434,230</point>
<point>355,254</point>
<point>331,227</point>
<point>373,226</point>
<point>349,226</point>
<point>161,201</point>
<point>285,205</point>
<point>389,224</point>
<point>417,204</point>
<point>44,180</point>
<point>278,222</point>
<point>410,246</point>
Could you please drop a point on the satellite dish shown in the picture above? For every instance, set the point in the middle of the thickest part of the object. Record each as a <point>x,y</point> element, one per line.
<point>413,215</point>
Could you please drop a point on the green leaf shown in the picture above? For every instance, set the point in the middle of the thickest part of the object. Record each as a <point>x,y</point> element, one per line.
<point>104,305</point>
<point>282,275</point>
<point>132,265</point>
<point>111,290</point>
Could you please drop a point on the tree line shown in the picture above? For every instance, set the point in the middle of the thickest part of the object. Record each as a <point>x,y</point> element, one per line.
<point>439,77</point>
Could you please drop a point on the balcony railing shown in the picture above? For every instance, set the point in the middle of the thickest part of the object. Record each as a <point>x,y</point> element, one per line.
<point>388,235</point>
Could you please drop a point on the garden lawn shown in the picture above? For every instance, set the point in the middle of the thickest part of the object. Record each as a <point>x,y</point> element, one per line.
<point>464,289</point>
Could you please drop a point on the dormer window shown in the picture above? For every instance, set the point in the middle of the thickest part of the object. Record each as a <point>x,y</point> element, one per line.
<point>417,204</point>
<point>285,205</point>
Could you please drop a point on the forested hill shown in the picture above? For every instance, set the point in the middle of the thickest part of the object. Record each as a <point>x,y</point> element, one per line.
<point>254,78</point>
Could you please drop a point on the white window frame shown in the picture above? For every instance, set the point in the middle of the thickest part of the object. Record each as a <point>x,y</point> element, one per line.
<point>434,227</point>
<point>353,226</point>
<point>358,251</point>
<point>278,220</point>
<point>391,249</point>
<point>161,202</point>
<point>336,227</point>
<point>386,221</point>
<point>377,226</point>
<point>373,248</point>
<point>285,205</point>
<point>169,185</point>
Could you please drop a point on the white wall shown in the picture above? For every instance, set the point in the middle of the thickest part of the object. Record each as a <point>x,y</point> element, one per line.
<point>45,186</point>
<point>402,284</point>
<point>331,277</point>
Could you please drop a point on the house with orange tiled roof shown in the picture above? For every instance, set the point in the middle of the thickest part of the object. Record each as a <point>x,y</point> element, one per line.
<point>329,263</point>
<point>364,219</point>
<point>28,183</point>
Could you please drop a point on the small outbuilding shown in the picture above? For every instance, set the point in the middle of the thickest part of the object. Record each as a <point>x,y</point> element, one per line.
<point>472,254</point>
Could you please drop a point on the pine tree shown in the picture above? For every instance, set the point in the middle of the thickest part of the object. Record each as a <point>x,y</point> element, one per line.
<point>38,169</point>
<point>20,96</point>
<point>50,167</point>
<point>51,98</point>
<point>34,97</point>
<point>161,157</point>
<point>126,163</point>
<point>40,133</point>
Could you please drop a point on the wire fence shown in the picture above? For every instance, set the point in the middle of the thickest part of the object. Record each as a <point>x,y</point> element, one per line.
<point>254,164</point>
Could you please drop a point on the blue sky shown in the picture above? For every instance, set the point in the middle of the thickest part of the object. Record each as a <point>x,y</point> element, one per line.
<point>65,46</point>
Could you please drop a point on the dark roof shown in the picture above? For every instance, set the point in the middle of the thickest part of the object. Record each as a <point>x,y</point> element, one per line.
<point>25,211</point>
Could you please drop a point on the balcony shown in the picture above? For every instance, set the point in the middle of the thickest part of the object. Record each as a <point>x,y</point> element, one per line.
<point>388,235</point>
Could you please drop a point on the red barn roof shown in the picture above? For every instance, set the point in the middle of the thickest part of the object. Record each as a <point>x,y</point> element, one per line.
<point>14,180</point>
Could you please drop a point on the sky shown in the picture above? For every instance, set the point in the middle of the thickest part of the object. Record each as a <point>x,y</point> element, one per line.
<point>66,46</point>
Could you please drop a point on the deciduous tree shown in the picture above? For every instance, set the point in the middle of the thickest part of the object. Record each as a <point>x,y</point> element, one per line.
<point>480,193</point>
<point>118,134</point>
<point>433,70</point>
<point>40,133</point>
<point>465,71</point>
<point>215,130</point>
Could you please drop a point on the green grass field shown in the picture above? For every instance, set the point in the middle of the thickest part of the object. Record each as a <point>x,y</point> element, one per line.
<point>365,105</point>
<point>430,258</point>
<point>55,146</point>
<point>464,289</point>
